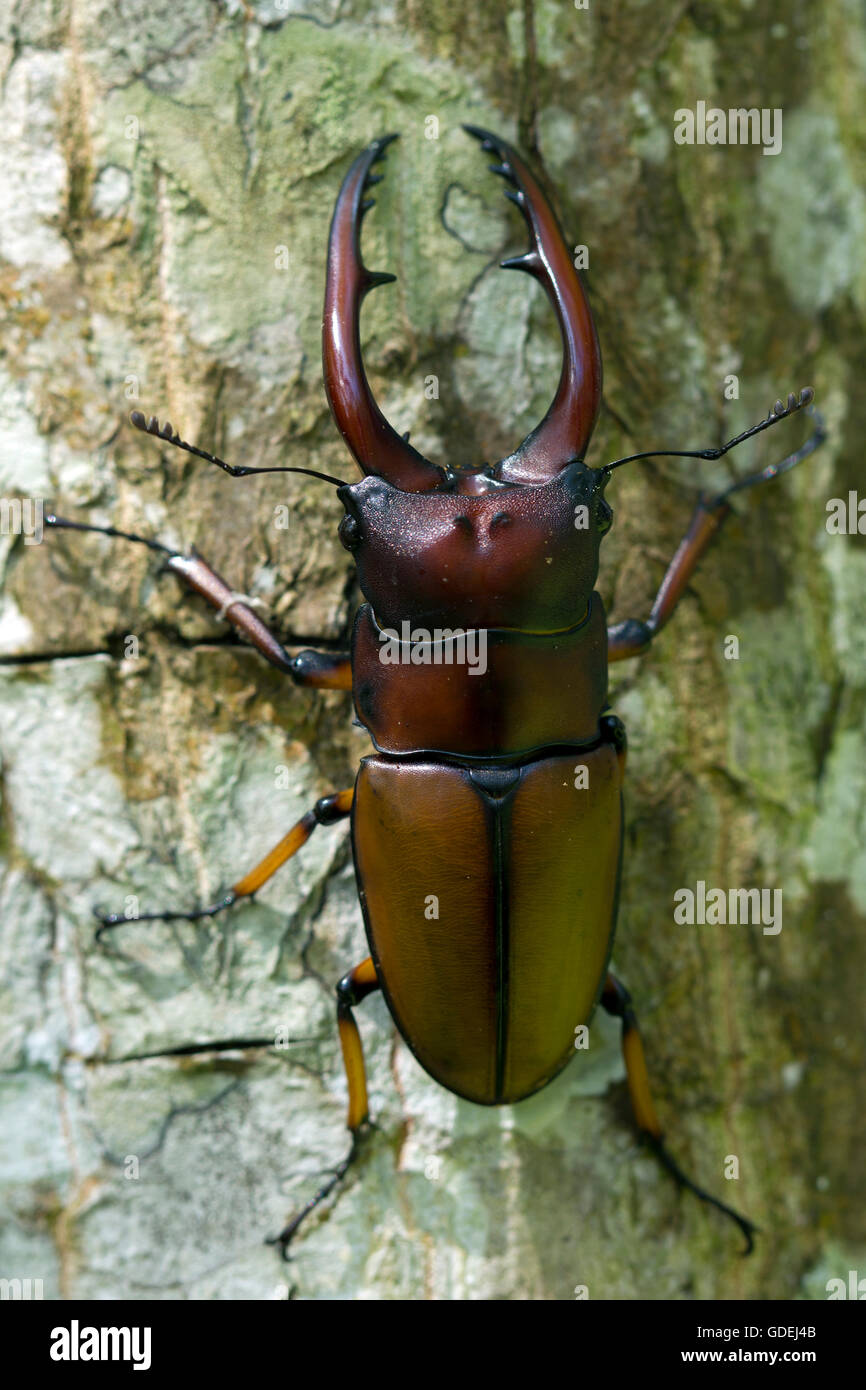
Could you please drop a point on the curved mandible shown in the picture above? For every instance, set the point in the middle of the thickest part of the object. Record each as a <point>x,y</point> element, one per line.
<point>564,433</point>
<point>375,444</point>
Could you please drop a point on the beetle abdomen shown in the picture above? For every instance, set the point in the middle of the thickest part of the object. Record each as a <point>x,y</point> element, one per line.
<point>489,898</point>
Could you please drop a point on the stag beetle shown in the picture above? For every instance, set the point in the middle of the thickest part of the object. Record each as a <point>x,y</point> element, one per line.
<point>471,790</point>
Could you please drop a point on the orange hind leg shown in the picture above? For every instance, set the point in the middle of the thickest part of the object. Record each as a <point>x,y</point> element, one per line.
<point>617,1001</point>
<point>350,991</point>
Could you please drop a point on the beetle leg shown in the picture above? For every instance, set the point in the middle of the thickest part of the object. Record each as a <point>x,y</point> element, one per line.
<point>631,637</point>
<point>350,991</point>
<point>617,1001</point>
<point>326,811</point>
<point>320,670</point>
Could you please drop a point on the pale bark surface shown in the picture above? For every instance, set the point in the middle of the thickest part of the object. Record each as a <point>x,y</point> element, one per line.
<point>155,159</point>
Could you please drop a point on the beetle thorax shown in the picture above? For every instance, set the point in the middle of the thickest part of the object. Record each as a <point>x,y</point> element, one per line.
<point>516,557</point>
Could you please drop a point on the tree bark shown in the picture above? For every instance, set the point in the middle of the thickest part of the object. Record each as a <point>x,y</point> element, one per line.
<point>169,182</point>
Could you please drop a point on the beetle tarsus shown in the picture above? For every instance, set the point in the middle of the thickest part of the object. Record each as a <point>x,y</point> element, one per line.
<point>107,920</point>
<point>748,1228</point>
<point>287,1235</point>
<point>351,989</point>
<point>773,470</point>
<point>61,523</point>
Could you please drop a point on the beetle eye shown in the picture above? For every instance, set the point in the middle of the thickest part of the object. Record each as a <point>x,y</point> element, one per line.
<point>604,517</point>
<point>349,532</point>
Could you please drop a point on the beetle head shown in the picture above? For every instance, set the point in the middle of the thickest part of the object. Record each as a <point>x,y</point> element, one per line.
<point>513,556</point>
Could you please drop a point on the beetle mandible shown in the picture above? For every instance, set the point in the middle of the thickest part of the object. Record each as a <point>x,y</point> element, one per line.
<point>471,789</point>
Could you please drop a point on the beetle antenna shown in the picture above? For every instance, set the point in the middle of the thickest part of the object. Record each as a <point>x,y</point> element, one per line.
<point>779,411</point>
<point>170,436</point>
